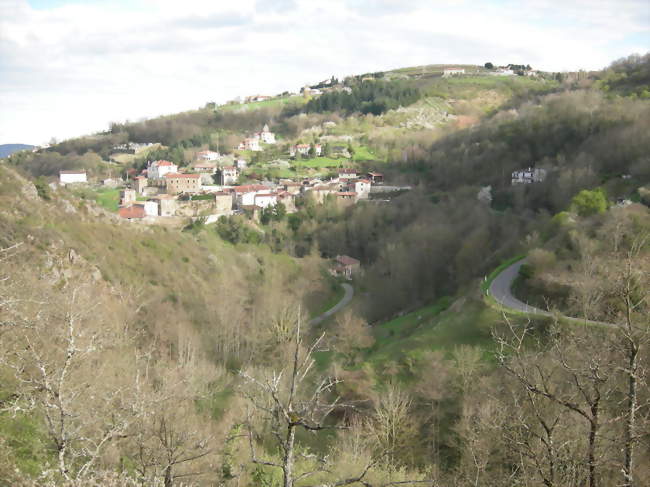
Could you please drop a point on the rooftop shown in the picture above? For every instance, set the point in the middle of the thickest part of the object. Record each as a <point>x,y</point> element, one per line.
<point>175,175</point>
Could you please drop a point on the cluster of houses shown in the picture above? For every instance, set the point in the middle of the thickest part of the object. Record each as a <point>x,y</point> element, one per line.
<point>252,143</point>
<point>162,191</point>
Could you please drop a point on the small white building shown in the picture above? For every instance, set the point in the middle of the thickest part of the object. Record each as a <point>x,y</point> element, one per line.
<point>347,174</point>
<point>250,143</point>
<point>207,155</point>
<point>264,200</point>
<point>361,187</point>
<point>228,175</point>
<point>452,71</point>
<point>245,195</point>
<point>158,169</point>
<point>303,149</point>
<point>71,177</point>
<point>528,176</point>
<point>150,207</point>
<point>265,135</point>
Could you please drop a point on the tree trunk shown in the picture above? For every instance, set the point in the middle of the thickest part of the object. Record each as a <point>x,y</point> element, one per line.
<point>288,456</point>
<point>169,480</point>
<point>630,424</point>
<point>591,455</point>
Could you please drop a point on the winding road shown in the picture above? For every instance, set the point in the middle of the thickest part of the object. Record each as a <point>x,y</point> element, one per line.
<point>347,297</point>
<point>501,291</point>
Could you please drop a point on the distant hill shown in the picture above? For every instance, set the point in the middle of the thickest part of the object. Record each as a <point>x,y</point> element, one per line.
<point>8,149</point>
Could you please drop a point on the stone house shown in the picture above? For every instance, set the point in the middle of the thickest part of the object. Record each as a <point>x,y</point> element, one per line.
<point>223,202</point>
<point>158,169</point>
<point>228,175</point>
<point>346,266</point>
<point>127,197</point>
<point>140,182</point>
<point>183,183</point>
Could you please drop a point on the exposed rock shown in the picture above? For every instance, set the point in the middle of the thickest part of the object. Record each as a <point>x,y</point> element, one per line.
<point>28,190</point>
<point>67,206</point>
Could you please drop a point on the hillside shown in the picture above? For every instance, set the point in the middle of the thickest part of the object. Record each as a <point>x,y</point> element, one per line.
<point>160,349</point>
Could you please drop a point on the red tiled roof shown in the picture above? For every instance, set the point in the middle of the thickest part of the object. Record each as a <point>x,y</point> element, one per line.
<point>346,260</point>
<point>363,181</point>
<point>164,163</point>
<point>176,175</point>
<point>249,187</point>
<point>132,212</point>
<point>346,193</point>
<point>347,171</point>
<point>375,174</point>
<point>230,168</point>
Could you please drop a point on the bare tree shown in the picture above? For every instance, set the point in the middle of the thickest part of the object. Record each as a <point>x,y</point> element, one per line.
<point>51,354</point>
<point>292,399</point>
<point>569,373</point>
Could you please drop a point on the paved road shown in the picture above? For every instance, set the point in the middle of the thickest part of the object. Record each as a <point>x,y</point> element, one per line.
<point>347,297</point>
<point>501,291</point>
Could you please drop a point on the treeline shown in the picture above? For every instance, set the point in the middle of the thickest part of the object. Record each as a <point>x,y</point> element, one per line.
<point>375,97</point>
<point>582,138</point>
<point>629,76</point>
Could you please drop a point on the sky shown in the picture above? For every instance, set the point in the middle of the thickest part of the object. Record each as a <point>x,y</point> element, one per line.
<point>70,67</point>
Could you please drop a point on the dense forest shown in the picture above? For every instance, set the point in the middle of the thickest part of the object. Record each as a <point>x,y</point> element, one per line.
<point>148,355</point>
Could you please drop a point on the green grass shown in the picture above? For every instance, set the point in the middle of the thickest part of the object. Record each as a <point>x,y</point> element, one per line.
<point>108,198</point>
<point>320,162</point>
<point>299,100</point>
<point>485,285</point>
<point>362,153</point>
<point>433,328</point>
<point>27,443</point>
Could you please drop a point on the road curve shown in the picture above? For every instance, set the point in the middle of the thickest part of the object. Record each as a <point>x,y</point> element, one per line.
<point>347,297</point>
<point>501,291</point>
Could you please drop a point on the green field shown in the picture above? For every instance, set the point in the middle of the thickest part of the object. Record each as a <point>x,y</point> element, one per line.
<point>299,100</point>
<point>362,153</point>
<point>434,327</point>
<point>320,162</point>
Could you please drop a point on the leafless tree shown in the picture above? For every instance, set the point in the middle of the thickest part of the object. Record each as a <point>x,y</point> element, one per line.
<point>569,373</point>
<point>288,400</point>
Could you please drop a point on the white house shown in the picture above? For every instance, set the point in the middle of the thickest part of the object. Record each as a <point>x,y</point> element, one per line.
<point>228,175</point>
<point>70,177</point>
<point>250,143</point>
<point>303,149</point>
<point>207,155</point>
<point>150,207</point>
<point>264,200</point>
<point>361,187</point>
<point>158,169</point>
<point>452,71</point>
<point>347,173</point>
<point>245,195</point>
<point>528,176</point>
<point>265,135</point>
<point>241,164</point>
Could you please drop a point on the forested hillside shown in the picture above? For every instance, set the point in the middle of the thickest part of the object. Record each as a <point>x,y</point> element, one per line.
<point>136,354</point>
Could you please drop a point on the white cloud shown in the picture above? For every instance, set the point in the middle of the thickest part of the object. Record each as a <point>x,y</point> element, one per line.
<point>70,70</point>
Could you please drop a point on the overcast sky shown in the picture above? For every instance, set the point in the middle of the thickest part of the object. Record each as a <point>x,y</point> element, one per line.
<point>69,67</point>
